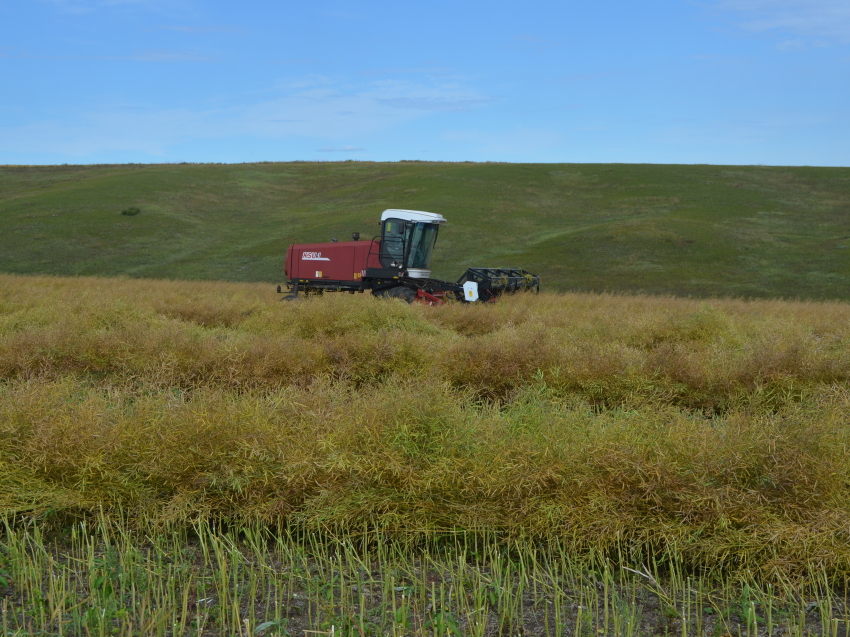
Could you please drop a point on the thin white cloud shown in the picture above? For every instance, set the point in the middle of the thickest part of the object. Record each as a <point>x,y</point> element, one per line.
<point>149,55</point>
<point>119,129</point>
<point>424,97</point>
<point>169,55</point>
<point>523,143</point>
<point>434,103</point>
<point>585,77</point>
<point>341,15</point>
<point>797,44</point>
<point>205,30</point>
<point>434,71</point>
<point>90,6</point>
<point>731,133</point>
<point>294,61</point>
<point>813,22</point>
<point>341,149</point>
<point>534,42</point>
<point>311,108</point>
<point>327,110</point>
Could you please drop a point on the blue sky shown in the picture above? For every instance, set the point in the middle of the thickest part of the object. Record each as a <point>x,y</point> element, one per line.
<point>672,81</point>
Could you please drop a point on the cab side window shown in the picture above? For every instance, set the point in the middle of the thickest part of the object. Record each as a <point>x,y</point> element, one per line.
<point>392,246</point>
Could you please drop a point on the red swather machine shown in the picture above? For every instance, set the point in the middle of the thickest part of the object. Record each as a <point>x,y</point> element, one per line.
<point>395,264</point>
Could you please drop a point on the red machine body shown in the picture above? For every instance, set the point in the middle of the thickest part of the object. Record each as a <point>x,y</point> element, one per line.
<point>396,265</point>
<point>343,261</point>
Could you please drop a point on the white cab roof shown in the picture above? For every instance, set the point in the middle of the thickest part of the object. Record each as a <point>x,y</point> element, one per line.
<point>413,215</point>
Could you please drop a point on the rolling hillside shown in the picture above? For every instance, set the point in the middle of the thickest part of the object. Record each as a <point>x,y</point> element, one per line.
<point>687,230</point>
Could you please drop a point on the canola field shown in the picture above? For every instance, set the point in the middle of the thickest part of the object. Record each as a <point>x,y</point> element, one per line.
<point>200,458</point>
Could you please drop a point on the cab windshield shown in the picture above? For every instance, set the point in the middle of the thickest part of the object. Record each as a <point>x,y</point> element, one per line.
<point>422,238</point>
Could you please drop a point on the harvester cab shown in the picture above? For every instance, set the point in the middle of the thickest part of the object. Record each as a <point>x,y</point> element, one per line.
<point>395,264</point>
<point>407,240</point>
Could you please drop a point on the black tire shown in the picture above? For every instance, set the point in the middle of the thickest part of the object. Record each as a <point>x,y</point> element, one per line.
<point>291,297</point>
<point>406,294</point>
<point>399,292</point>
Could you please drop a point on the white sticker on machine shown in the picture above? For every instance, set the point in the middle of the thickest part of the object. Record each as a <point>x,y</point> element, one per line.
<point>470,291</point>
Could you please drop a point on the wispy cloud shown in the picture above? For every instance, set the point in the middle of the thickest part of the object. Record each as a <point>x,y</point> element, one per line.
<point>309,108</point>
<point>294,61</point>
<point>534,42</point>
<point>341,15</point>
<point>723,59</point>
<point>797,44</point>
<point>117,129</point>
<point>438,104</point>
<point>148,55</point>
<point>737,132</point>
<point>428,97</point>
<point>206,30</point>
<point>433,71</point>
<point>519,142</point>
<point>585,77</point>
<point>169,55</point>
<point>341,149</point>
<point>813,22</point>
<point>327,109</point>
<point>90,6</point>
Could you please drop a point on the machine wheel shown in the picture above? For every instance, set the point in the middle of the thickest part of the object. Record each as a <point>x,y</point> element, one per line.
<point>407,294</point>
<point>399,292</point>
<point>291,297</point>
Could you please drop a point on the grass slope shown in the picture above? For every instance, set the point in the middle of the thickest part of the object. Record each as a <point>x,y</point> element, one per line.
<point>688,230</point>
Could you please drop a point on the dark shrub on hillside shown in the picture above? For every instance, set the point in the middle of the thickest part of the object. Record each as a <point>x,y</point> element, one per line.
<point>131,211</point>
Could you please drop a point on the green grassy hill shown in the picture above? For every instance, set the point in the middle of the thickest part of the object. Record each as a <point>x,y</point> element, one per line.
<point>691,230</point>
